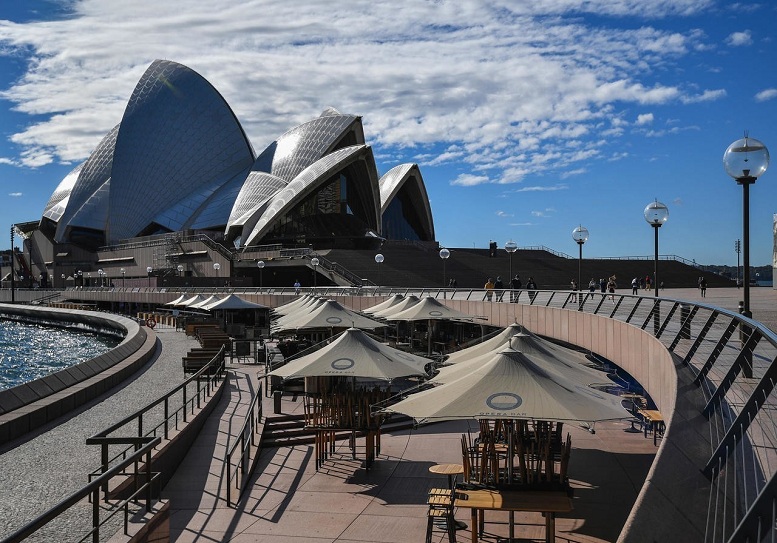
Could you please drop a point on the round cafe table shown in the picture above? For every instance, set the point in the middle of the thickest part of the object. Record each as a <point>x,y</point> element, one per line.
<point>450,470</point>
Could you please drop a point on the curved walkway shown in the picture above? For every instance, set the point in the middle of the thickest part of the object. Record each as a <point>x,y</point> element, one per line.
<point>54,461</point>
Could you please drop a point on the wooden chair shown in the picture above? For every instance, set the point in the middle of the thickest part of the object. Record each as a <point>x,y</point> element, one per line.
<point>441,510</point>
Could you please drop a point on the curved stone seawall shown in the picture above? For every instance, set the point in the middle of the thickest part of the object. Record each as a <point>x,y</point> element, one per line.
<point>28,406</point>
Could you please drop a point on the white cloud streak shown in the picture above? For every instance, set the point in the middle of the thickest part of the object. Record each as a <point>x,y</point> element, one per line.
<point>511,89</point>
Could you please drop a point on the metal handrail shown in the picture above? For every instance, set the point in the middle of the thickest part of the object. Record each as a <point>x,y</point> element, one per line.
<point>211,379</point>
<point>247,440</point>
<point>92,490</point>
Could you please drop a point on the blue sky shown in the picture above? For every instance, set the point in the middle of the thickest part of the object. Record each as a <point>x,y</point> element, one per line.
<point>526,118</point>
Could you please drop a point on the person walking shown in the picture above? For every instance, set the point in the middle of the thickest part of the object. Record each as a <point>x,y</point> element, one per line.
<point>703,286</point>
<point>634,285</point>
<point>515,284</point>
<point>611,286</point>
<point>647,282</point>
<point>499,286</point>
<point>602,285</point>
<point>489,286</point>
<point>297,286</point>
<point>592,285</point>
<point>574,290</point>
<point>531,286</point>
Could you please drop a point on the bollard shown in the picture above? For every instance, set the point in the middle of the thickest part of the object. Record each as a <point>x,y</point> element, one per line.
<point>276,402</point>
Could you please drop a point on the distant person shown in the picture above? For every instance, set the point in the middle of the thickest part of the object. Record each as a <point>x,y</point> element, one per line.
<point>297,286</point>
<point>515,284</point>
<point>489,286</point>
<point>634,285</point>
<point>611,286</point>
<point>592,285</point>
<point>499,286</point>
<point>573,284</point>
<point>602,285</point>
<point>531,286</point>
<point>703,286</point>
<point>647,282</point>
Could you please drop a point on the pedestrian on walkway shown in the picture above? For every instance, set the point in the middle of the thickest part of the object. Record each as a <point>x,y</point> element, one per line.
<point>703,286</point>
<point>297,286</point>
<point>574,290</point>
<point>516,284</point>
<point>531,286</point>
<point>634,285</point>
<point>592,285</point>
<point>602,285</point>
<point>611,286</point>
<point>489,286</point>
<point>499,287</point>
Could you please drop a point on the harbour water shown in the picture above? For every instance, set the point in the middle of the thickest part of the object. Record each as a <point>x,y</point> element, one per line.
<point>29,351</point>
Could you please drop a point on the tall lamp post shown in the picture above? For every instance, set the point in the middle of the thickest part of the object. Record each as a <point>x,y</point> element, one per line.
<point>656,214</point>
<point>180,270</point>
<point>64,282</point>
<point>580,235</point>
<point>260,265</point>
<point>511,247</point>
<point>379,260</point>
<point>123,273</point>
<point>149,269</point>
<point>314,262</point>
<point>746,160</point>
<point>101,273</point>
<point>445,254</point>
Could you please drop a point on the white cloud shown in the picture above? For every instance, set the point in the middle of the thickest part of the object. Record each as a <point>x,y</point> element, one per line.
<point>766,94</point>
<point>469,180</point>
<point>543,188</point>
<point>508,88</point>
<point>644,118</point>
<point>9,161</point>
<point>706,96</point>
<point>739,39</point>
<point>503,214</point>
<point>15,194</point>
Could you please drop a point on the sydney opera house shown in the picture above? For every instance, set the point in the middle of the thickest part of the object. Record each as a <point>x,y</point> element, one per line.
<point>176,185</point>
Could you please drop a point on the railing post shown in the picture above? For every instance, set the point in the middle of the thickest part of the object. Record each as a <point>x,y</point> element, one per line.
<point>167,415</point>
<point>104,460</point>
<point>148,481</point>
<point>184,403</point>
<point>96,516</point>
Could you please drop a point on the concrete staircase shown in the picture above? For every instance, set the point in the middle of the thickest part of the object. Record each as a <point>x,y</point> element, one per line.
<point>289,430</point>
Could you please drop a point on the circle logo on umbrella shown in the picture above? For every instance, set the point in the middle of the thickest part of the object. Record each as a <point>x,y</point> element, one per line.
<point>435,313</point>
<point>504,401</point>
<point>342,364</point>
<point>334,320</point>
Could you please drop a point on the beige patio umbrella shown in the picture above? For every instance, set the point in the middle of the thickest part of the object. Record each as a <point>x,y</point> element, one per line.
<point>355,354</point>
<point>233,302</point>
<point>404,303</point>
<point>293,305</point>
<point>207,301</point>
<point>305,309</point>
<point>330,314</point>
<point>557,360</point>
<point>197,298</point>
<point>178,300</point>
<point>511,385</point>
<point>385,304</point>
<point>430,309</point>
<point>489,346</point>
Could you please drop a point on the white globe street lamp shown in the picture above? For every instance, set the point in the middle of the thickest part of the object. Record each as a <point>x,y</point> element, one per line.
<point>656,214</point>
<point>379,260</point>
<point>746,160</point>
<point>444,255</point>
<point>580,235</point>
<point>260,265</point>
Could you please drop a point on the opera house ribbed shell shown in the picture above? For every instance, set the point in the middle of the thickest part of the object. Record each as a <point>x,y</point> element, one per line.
<point>179,160</point>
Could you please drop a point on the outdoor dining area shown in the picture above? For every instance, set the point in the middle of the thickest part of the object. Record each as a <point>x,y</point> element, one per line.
<point>522,391</point>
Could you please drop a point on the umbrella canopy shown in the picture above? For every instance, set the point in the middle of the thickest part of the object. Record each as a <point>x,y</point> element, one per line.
<point>430,309</point>
<point>234,302</point>
<point>330,314</point>
<point>563,362</point>
<point>304,309</point>
<point>197,298</point>
<point>178,300</point>
<point>401,305</point>
<point>207,301</point>
<point>385,304</point>
<point>511,386</point>
<point>355,354</point>
<point>489,346</point>
<point>292,306</point>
